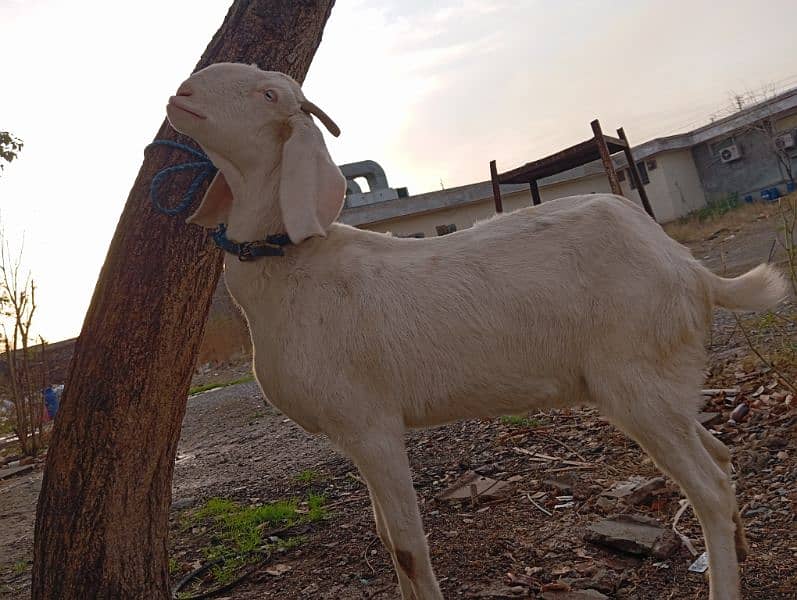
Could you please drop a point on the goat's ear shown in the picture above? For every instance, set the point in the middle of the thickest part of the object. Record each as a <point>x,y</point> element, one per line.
<point>215,206</point>
<point>312,188</point>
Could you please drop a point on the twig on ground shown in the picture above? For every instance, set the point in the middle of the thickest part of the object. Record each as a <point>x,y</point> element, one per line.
<point>785,380</point>
<point>686,541</point>
<point>365,554</point>
<point>545,510</point>
<point>566,447</point>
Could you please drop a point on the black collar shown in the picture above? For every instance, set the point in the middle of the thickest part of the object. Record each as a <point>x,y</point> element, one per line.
<point>245,251</point>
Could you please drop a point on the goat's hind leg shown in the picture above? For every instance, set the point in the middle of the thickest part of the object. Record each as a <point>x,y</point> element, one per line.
<point>722,456</point>
<point>657,414</point>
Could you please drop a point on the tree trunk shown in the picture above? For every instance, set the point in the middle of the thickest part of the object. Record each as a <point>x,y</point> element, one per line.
<point>102,518</point>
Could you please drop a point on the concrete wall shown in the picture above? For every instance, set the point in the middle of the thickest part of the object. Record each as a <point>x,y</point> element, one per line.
<point>465,215</point>
<point>674,189</point>
<point>593,184</point>
<point>226,333</point>
<point>757,169</point>
<point>787,123</point>
<point>684,188</point>
<point>461,215</point>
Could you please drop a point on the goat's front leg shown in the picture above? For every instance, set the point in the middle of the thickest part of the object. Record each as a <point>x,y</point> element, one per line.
<point>381,458</point>
<point>405,585</point>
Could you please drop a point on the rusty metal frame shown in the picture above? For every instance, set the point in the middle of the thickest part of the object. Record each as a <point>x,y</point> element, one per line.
<point>600,146</point>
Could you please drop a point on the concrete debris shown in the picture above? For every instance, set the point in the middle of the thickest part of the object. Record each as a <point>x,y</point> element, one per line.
<point>700,565</point>
<point>634,535</point>
<point>472,485</point>
<point>635,491</point>
<point>18,470</point>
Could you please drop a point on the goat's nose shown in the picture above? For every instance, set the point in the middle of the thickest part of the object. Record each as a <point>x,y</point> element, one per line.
<point>185,90</point>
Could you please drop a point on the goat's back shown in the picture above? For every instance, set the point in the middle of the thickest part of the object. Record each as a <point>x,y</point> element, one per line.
<point>503,315</point>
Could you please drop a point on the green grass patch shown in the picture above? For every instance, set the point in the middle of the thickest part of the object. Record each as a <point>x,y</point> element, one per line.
<point>236,531</point>
<point>20,567</point>
<point>174,566</point>
<point>520,421</point>
<point>714,208</point>
<point>212,386</point>
<point>308,476</point>
<point>6,425</point>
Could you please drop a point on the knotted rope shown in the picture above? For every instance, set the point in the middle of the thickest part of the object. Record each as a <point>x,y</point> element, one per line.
<point>203,166</point>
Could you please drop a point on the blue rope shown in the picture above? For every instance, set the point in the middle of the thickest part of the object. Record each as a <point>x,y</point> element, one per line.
<point>203,166</point>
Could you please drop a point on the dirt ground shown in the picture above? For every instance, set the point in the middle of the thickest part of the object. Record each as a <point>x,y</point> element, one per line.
<point>529,540</point>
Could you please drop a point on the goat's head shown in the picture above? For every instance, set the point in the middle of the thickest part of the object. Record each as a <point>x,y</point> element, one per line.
<point>248,120</point>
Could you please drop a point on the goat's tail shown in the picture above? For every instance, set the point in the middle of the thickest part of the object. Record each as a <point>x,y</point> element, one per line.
<point>758,289</point>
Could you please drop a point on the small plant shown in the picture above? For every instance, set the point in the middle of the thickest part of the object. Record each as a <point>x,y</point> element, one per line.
<point>717,207</point>
<point>520,421</point>
<point>174,566</point>
<point>316,504</point>
<point>308,476</point>
<point>20,567</point>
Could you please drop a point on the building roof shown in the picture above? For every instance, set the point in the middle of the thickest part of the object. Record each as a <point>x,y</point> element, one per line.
<point>560,162</point>
<point>722,127</point>
<point>478,192</point>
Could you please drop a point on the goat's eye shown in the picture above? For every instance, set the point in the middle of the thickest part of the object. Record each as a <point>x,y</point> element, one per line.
<point>270,95</point>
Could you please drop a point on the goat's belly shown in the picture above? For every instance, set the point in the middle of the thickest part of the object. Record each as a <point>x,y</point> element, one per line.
<point>426,410</point>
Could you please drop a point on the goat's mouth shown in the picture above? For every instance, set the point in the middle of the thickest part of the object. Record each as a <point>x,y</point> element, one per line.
<point>178,103</point>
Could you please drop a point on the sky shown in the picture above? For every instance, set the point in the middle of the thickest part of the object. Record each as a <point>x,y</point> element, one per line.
<point>431,90</point>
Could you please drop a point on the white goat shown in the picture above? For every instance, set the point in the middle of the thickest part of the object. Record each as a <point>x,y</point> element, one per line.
<point>361,335</point>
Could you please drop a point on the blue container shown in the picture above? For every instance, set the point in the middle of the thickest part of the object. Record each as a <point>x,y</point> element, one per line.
<point>748,198</point>
<point>790,187</point>
<point>765,195</point>
<point>774,193</point>
<point>51,401</point>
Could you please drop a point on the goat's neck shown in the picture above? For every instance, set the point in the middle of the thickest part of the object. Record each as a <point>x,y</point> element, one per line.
<point>255,212</point>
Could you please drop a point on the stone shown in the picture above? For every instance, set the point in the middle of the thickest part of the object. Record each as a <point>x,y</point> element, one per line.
<point>183,503</point>
<point>560,485</point>
<point>18,470</point>
<point>634,535</point>
<point>635,490</point>
<point>473,484</point>
<point>709,419</point>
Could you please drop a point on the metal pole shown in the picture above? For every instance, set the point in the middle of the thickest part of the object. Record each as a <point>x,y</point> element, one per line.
<point>643,195</point>
<point>499,207</point>
<point>606,159</point>
<point>535,193</point>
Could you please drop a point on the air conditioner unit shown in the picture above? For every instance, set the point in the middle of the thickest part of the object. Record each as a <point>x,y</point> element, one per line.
<point>784,141</point>
<point>730,153</point>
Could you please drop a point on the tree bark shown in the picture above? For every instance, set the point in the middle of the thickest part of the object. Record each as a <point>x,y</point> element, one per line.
<point>102,518</point>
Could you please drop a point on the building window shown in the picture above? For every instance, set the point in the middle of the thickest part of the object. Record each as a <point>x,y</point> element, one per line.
<point>409,235</point>
<point>651,162</point>
<point>445,229</point>
<point>621,175</point>
<point>643,172</point>
<point>643,175</point>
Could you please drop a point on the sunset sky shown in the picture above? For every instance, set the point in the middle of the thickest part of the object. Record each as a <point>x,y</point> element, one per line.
<point>430,90</point>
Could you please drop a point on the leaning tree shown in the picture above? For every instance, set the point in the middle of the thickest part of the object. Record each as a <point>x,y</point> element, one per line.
<point>102,518</point>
